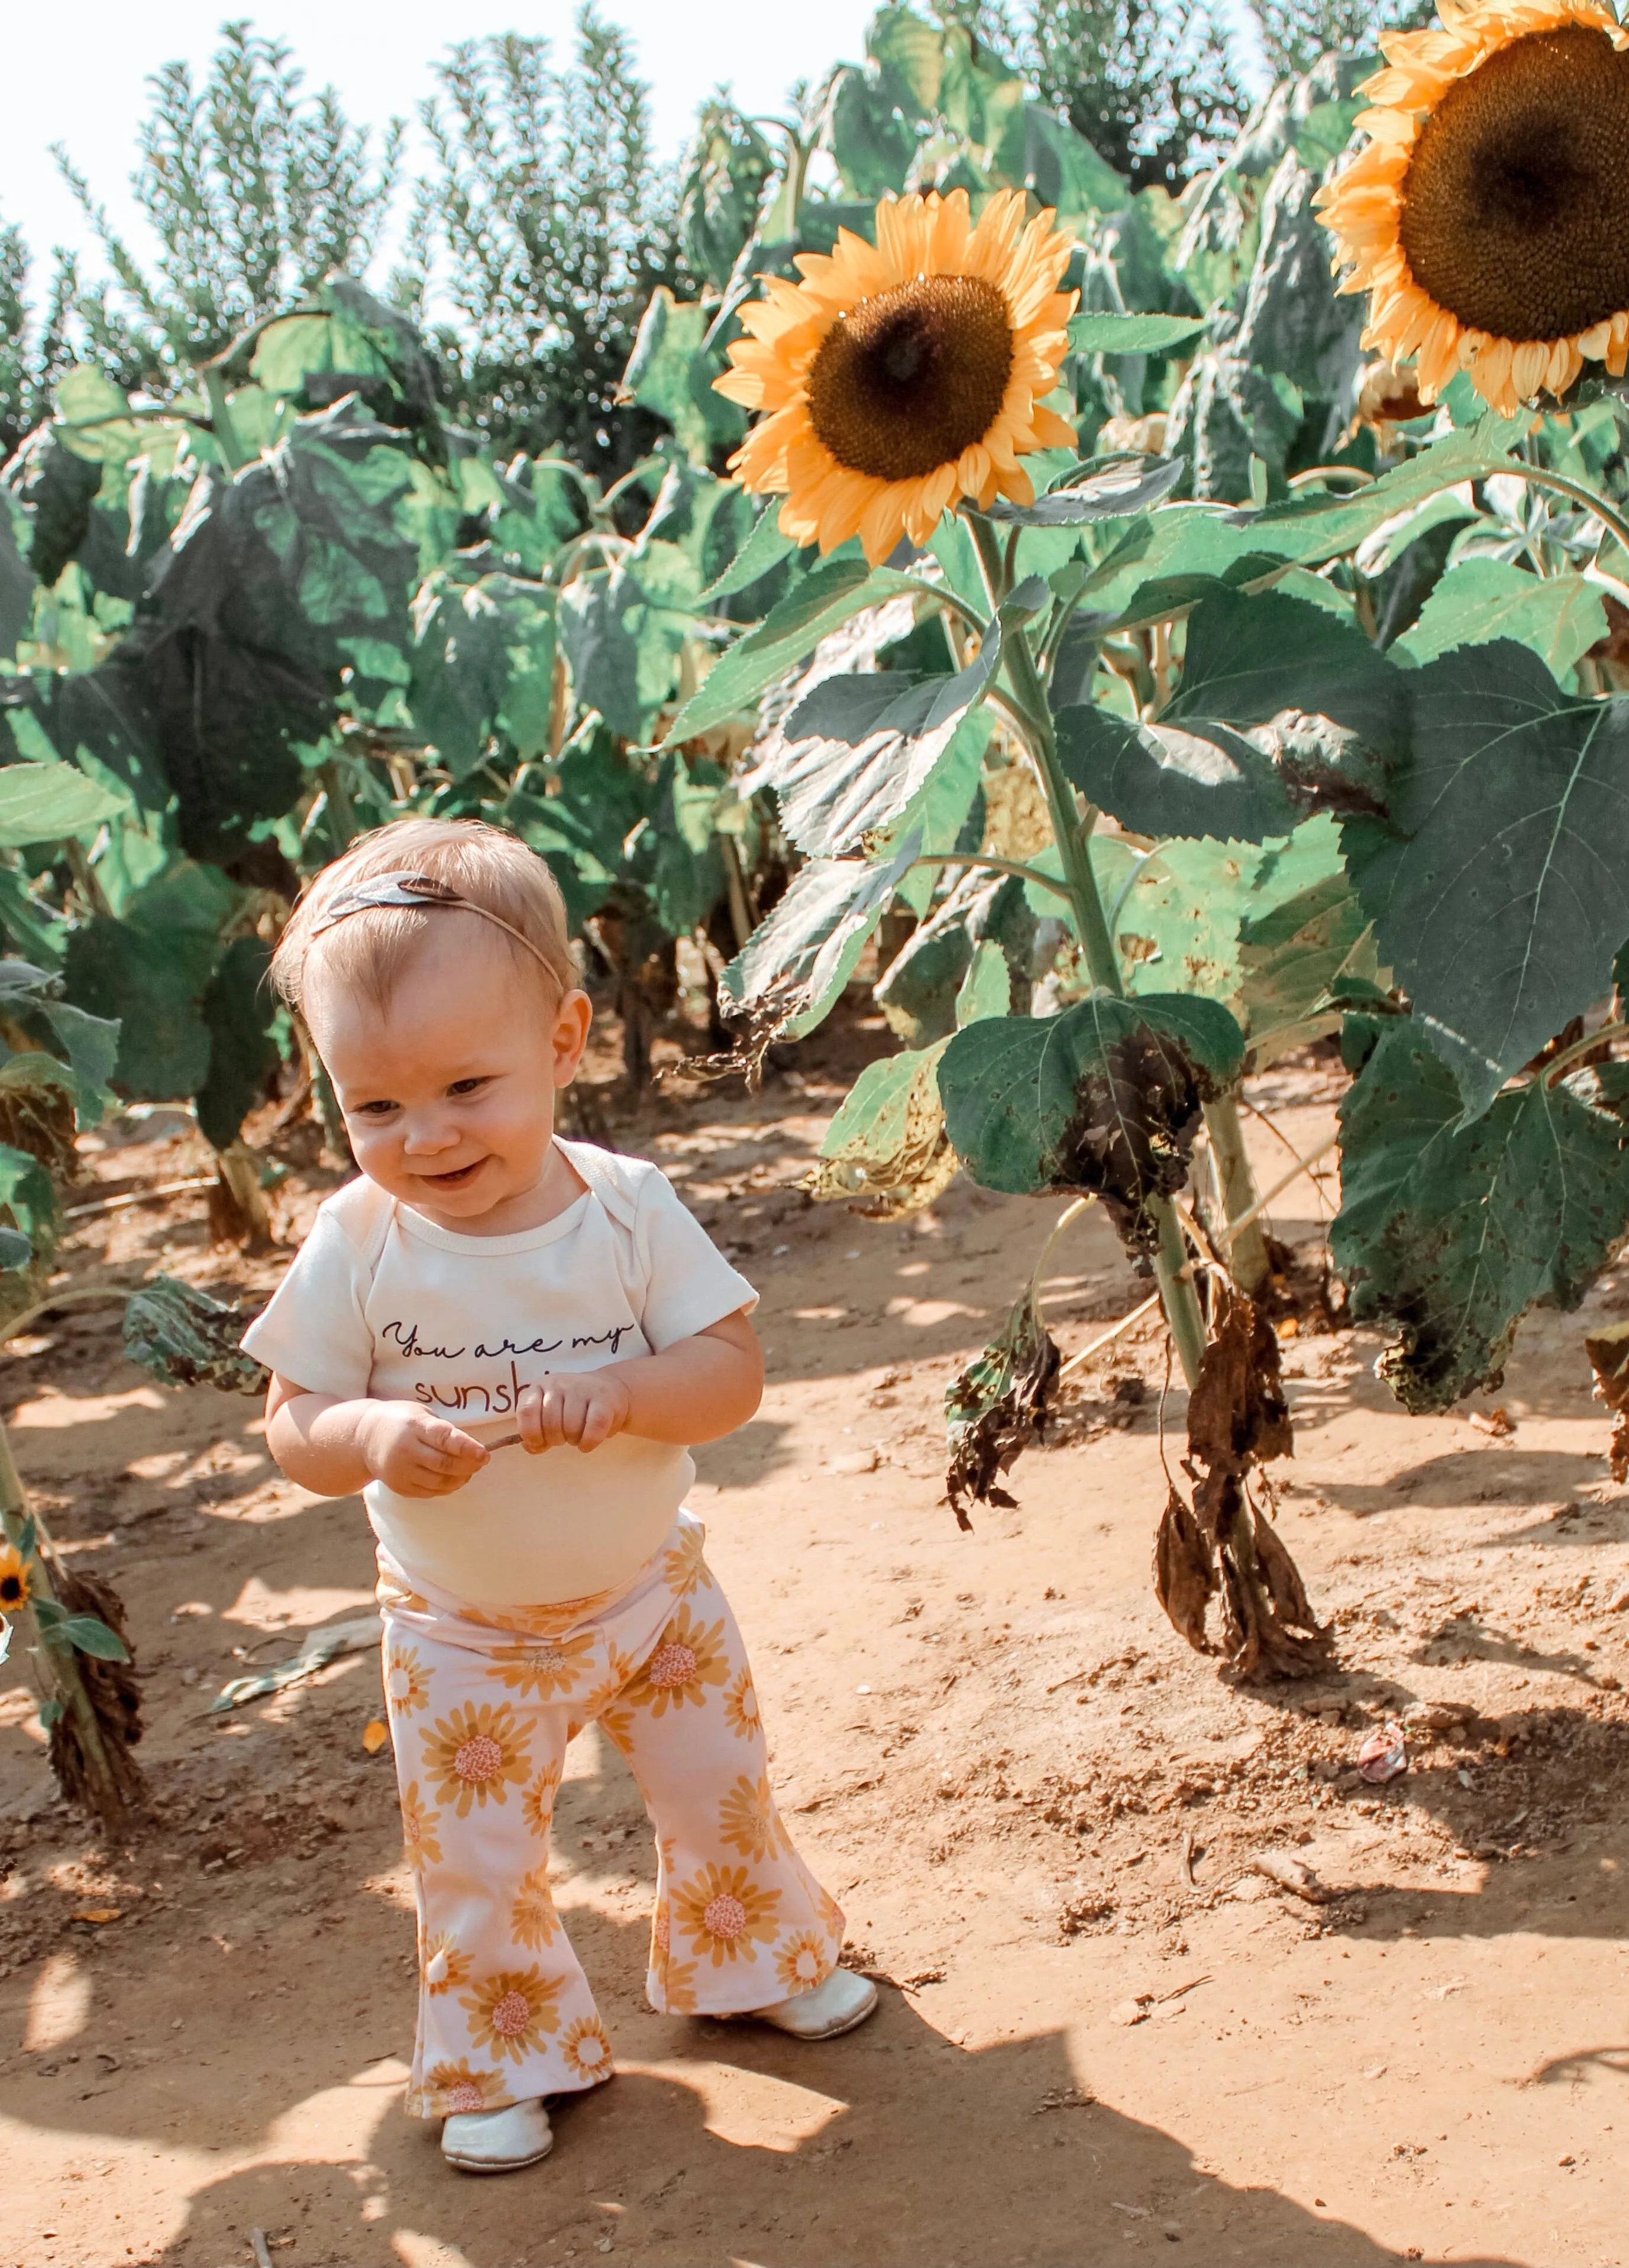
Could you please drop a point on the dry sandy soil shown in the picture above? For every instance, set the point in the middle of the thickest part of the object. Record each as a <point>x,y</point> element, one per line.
<point>1040,1810</point>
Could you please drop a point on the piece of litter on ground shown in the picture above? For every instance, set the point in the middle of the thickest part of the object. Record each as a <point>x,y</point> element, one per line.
<point>1133,2011</point>
<point>1137,2212</point>
<point>1385,1755</point>
<point>1064,2098</point>
<point>1494,1422</point>
<point>854,1462</point>
<point>375,1733</point>
<point>1376,2070</point>
<point>780,1251</point>
<point>862,1688</point>
<point>320,1647</point>
<point>98,1914</point>
<point>1442,1992</point>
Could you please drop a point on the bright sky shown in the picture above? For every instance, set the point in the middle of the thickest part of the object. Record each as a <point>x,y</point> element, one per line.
<point>79,79</point>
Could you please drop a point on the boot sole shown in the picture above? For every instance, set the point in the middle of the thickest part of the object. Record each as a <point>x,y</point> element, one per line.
<point>497,2165</point>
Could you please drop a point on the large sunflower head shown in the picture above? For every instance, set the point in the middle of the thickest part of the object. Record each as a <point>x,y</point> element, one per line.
<point>899,377</point>
<point>1488,216</point>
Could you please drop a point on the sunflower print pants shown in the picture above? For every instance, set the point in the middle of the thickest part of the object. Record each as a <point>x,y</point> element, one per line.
<point>482,1706</point>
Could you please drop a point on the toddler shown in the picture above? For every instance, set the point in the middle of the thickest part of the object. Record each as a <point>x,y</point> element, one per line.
<point>507,1343</point>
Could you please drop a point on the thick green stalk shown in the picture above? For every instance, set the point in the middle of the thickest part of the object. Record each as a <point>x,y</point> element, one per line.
<point>1071,830</point>
<point>1247,1258</point>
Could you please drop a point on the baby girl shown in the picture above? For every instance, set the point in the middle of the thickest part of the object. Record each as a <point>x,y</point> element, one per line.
<point>508,1343</point>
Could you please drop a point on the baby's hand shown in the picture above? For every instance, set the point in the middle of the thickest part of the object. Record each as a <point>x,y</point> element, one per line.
<point>416,1455</point>
<point>583,1410</point>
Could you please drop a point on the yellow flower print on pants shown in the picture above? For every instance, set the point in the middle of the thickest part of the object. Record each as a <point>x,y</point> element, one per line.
<point>484,1711</point>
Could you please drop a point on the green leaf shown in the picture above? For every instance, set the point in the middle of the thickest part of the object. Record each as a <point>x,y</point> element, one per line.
<point>41,803</point>
<point>919,991</point>
<point>1294,323</point>
<point>887,1143</point>
<point>238,1010</point>
<point>25,1191</point>
<point>792,971</point>
<point>1109,333</point>
<point>16,1251</point>
<point>1293,956</point>
<point>1498,881</point>
<point>1449,1234</point>
<point>987,988</point>
<point>482,660</point>
<point>1105,1098</point>
<point>849,758</point>
<point>670,373</point>
<point>822,602</point>
<point>183,1337</point>
<point>1283,707</point>
<point>764,548</point>
<point>1112,495</point>
<point>90,1635</point>
<point>149,972</point>
<point>1558,616</point>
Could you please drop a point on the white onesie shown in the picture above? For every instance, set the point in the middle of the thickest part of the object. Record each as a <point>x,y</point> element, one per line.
<point>380,1301</point>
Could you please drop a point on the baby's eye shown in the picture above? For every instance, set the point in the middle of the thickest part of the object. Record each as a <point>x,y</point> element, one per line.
<point>381,1109</point>
<point>466,1086</point>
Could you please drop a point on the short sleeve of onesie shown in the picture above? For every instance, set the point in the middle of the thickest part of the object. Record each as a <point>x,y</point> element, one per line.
<point>689,1284</point>
<point>315,1332</point>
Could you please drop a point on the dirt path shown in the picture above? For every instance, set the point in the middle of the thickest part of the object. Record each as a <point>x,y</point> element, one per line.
<point>996,1752</point>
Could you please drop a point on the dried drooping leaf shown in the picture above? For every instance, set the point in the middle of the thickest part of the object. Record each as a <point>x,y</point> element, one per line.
<point>1184,1572</point>
<point>1237,1419</point>
<point>183,1337</point>
<point>996,1406</point>
<point>1608,1351</point>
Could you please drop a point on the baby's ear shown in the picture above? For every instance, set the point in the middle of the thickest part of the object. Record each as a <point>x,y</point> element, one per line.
<point>572,1018</point>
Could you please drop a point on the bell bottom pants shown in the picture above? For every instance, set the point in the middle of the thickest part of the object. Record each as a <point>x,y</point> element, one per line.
<point>481,1705</point>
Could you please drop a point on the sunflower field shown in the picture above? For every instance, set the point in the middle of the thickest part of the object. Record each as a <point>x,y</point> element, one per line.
<point>1191,624</point>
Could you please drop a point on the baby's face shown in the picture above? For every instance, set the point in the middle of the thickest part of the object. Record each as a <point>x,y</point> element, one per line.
<point>449,1094</point>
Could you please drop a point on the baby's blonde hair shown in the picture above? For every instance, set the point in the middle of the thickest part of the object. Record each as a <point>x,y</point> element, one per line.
<point>367,952</point>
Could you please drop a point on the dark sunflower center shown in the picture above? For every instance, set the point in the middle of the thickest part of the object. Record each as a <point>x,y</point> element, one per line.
<point>910,379</point>
<point>1515,205</point>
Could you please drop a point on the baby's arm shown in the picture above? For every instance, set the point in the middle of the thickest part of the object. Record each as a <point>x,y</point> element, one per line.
<point>333,1447</point>
<point>695,1390</point>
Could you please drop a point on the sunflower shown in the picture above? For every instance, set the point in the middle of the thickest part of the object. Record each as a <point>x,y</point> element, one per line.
<point>441,1964</point>
<point>407,1686</point>
<point>533,1921</point>
<point>510,2014</point>
<point>803,1962</point>
<point>14,1589</point>
<point>474,1752</point>
<point>450,2088</point>
<point>722,1910</point>
<point>587,2050</point>
<point>689,1657</point>
<point>419,1824</point>
<point>900,377</point>
<point>749,1820</point>
<point>1488,216</point>
<point>551,1666</point>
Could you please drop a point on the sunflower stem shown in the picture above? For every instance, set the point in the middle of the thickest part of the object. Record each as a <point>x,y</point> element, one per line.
<point>1072,831</point>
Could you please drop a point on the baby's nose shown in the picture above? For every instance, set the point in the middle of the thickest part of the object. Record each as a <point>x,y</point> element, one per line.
<point>427,1137</point>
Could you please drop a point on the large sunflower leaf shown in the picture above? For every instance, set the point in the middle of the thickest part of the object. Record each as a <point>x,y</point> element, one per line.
<point>1498,881</point>
<point>1105,1098</point>
<point>1559,617</point>
<point>1447,1233</point>
<point>848,760</point>
<point>822,602</point>
<point>1282,707</point>
<point>790,973</point>
<point>239,1009</point>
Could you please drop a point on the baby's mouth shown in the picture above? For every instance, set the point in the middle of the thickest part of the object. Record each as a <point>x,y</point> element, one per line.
<point>456,1180</point>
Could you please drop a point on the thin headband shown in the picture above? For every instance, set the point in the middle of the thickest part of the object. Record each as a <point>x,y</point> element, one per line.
<point>416,893</point>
